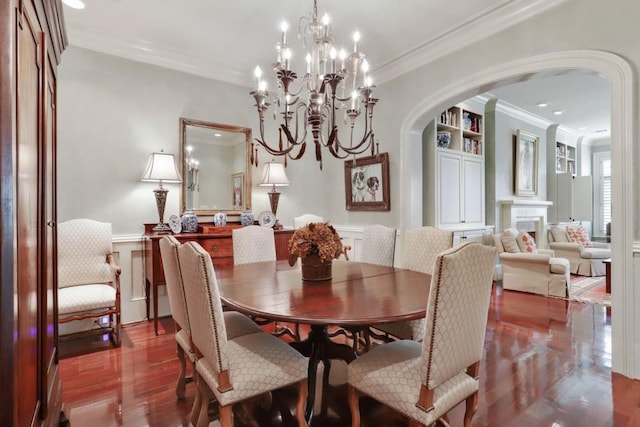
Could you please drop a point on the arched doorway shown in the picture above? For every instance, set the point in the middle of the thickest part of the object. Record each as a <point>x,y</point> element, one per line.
<point>620,76</point>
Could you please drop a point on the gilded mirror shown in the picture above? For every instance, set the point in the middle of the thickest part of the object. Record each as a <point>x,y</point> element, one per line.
<point>216,167</point>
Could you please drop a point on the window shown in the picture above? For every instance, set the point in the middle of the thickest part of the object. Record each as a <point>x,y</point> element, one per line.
<point>602,199</point>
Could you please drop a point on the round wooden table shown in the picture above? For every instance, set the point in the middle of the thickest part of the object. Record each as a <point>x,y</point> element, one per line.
<point>358,295</point>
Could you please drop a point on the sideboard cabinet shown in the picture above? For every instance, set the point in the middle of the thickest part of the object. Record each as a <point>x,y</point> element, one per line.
<point>217,241</point>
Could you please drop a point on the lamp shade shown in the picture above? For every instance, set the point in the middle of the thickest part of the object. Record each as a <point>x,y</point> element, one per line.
<point>273,174</point>
<point>161,167</point>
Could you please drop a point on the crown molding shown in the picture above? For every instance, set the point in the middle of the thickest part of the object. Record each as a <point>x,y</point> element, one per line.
<point>518,113</point>
<point>468,32</point>
<point>142,51</point>
<point>473,29</point>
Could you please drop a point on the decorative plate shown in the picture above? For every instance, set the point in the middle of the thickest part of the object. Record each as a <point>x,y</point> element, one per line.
<point>266,219</point>
<point>175,223</point>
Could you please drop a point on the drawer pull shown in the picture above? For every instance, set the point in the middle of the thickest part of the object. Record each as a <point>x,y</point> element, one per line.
<point>214,248</point>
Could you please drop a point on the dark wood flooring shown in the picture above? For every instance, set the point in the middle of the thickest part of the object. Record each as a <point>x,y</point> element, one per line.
<point>547,363</point>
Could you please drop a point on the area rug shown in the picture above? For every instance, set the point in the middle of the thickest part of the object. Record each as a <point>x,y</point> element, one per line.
<point>590,290</point>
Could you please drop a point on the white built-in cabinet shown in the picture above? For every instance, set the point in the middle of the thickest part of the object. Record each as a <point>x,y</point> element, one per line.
<point>571,194</point>
<point>453,173</point>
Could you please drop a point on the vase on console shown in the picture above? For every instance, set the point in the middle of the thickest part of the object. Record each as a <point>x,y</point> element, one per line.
<point>189,222</point>
<point>220,219</point>
<point>246,217</point>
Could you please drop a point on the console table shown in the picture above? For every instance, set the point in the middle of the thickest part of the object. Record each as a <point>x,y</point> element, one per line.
<point>216,240</point>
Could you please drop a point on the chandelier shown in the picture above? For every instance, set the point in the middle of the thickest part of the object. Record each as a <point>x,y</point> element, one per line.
<point>334,92</point>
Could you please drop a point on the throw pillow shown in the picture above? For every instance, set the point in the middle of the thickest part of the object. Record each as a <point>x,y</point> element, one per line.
<point>579,235</point>
<point>509,241</point>
<point>527,243</point>
<point>559,234</point>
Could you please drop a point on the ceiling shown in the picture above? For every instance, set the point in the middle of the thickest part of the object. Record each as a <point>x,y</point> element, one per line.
<point>219,39</point>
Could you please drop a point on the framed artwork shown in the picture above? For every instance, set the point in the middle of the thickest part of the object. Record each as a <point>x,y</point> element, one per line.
<point>526,164</point>
<point>237,188</point>
<point>366,183</point>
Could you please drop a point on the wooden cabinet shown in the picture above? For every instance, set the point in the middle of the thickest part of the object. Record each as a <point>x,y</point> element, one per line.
<point>218,243</point>
<point>33,37</point>
<point>453,165</point>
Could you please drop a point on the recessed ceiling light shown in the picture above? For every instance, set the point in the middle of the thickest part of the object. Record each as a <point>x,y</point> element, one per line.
<point>542,104</point>
<point>75,4</point>
<point>217,135</point>
<point>557,112</point>
<point>582,128</point>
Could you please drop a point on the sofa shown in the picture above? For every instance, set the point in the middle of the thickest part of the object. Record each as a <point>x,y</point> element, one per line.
<point>573,243</point>
<point>526,268</point>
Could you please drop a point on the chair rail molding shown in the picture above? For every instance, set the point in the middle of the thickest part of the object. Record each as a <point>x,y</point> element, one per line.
<point>625,328</point>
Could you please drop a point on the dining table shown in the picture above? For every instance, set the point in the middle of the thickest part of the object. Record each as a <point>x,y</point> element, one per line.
<point>357,296</point>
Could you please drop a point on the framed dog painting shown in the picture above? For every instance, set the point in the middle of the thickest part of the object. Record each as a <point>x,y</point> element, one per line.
<point>366,183</point>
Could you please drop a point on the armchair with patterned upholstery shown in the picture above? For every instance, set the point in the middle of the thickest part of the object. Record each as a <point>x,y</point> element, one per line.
<point>529,269</point>
<point>573,243</point>
<point>88,278</point>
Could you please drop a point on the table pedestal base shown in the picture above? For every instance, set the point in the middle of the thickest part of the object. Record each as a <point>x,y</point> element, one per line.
<point>319,348</point>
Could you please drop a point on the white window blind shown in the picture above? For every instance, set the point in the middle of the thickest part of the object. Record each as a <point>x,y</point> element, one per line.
<point>605,191</point>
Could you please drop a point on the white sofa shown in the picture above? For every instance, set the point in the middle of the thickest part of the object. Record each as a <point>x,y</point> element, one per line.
<point>584,261</point>
<point>539,273</point>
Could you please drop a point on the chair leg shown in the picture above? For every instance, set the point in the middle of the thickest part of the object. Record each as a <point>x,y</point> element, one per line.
<point>354,405</point>
<point>472,407</point>
<point>303,390</point>
<point>181,384</point>
<point>226,416</point>
<point>197,401</point>
<point>203,415</point>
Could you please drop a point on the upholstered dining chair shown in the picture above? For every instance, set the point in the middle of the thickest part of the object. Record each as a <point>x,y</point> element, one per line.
<point>233,370</point>
<point>378,245</point>
<point>421,247</point>
<point>302,220</point>
<point>423,381</point>
<point>253,243</point>
<point>237,324</point>
<point>88,278</point>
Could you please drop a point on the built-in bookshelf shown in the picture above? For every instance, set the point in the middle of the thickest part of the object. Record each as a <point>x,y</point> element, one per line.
<point>565,158</point>
<point>453,161</point>
<point>459,129</point>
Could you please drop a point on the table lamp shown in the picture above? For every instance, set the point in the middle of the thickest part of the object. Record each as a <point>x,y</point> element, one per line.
<point>161,167</point>
<point>273,174</point>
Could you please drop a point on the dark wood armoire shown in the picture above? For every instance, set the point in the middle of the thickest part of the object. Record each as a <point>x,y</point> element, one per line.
<point>32,38</point>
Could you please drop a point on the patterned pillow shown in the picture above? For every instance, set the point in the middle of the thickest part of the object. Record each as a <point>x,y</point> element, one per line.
<point>509,241</point>
<point>579,235</point>
<point>527,243</point>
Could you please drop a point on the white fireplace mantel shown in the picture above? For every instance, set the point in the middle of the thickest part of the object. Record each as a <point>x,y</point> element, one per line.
<point>519,210</point>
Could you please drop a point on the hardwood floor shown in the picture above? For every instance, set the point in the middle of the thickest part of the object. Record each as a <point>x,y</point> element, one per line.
<point>547,363</point>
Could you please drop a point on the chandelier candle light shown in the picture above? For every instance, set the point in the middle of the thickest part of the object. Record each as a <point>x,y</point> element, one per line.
<point>336,85</point>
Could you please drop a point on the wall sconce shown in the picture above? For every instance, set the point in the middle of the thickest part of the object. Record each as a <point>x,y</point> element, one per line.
<point>274,175</point>
<point>161,167</point>
<point>192,169</point>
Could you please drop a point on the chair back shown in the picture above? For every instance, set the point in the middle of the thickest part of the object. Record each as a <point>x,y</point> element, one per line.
<point>204,307</point>
<point>422,246</point>
<point>173,277</point>
<point>302,220</point>
<point>457,312</point>
<point>83,247</point>
<point>378,245</point>
<point>253,243</point>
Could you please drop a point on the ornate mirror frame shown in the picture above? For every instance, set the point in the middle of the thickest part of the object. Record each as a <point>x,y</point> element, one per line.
<point>245,194</point>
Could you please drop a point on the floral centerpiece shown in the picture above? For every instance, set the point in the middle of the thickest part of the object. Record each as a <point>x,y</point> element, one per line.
<point>317,244</point>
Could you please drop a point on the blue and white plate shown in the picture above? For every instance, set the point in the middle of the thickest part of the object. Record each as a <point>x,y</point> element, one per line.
<point>175,224</point>
<point>266,219</point>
